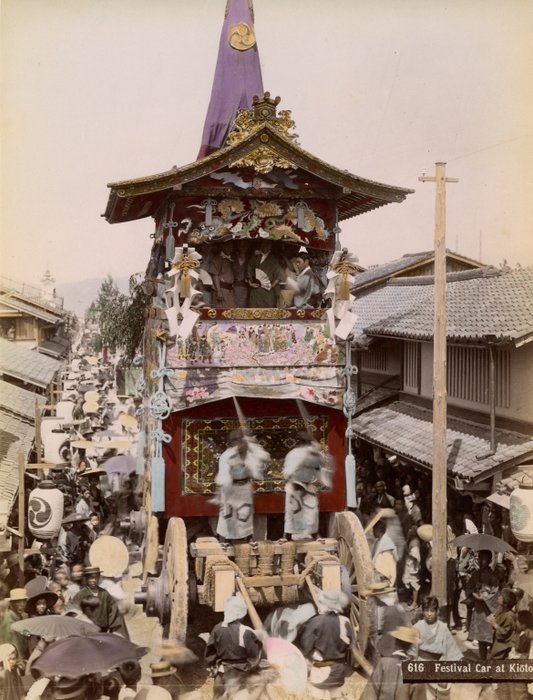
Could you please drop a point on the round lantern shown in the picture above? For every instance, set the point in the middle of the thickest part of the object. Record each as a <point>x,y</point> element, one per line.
<point>45,511</point>
<point>521,510</point>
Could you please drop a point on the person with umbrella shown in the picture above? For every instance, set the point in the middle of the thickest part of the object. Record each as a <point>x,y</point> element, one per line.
<point>106,616</point>
<point>482,590</point>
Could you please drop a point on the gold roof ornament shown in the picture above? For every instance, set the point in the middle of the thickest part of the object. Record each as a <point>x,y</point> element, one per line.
<point>241,36</point>
<point>247,121</point>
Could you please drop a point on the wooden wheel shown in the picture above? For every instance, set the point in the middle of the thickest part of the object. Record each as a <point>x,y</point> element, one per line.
<point>354,554</point>
<point>150,548</point>
<point>176,567</point>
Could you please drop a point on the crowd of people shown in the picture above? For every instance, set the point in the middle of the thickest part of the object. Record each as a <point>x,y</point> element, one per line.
<point>59,578</point>
<point>488,614</point>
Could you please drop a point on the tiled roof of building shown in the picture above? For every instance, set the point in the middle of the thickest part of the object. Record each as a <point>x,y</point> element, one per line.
<point>32,294</point>
<point>17,431</point>
<point>31,309</point>
<point>19,401</point>
<point>380,274</point>
<point>27,365</point>
<point>386,270</point>
<point>407,430</point>
<point>478,304</point>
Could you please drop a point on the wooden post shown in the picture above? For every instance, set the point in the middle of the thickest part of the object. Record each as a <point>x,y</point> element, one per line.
<point>38,441</point>
<point>439,472</point>
<point>22,516</point>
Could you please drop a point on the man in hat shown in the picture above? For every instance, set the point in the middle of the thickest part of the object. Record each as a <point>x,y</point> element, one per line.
<point>15,612</point>
<point>386,682</point>
<point>325,640</point>
<point>304,465</point>
<point>164,675</point>
<point>76,543</point>
<point>233,649</point>
<point>106,616</point>
<point>243,461</point>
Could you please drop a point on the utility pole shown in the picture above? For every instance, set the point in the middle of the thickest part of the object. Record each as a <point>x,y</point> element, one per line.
<point>439,495</point>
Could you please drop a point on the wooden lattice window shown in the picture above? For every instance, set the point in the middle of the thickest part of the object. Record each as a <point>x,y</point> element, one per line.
<point>375,360</point>
<point>468,375</point>
<point>411,366</point>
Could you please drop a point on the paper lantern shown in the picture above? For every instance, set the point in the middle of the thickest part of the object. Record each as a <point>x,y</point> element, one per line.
<point>45,511</point>
<point>521,510</point>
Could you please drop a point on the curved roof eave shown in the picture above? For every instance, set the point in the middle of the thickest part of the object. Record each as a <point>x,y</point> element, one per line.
<point>351,187</point>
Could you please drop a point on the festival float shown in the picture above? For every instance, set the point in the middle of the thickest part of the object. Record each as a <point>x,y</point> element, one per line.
<point>231,344</point>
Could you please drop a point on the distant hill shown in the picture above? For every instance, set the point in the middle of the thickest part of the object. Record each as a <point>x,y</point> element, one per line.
<point>79,295</point>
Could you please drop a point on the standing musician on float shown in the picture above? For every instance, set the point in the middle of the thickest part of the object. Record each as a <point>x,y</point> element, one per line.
<point>304,465</point>
<point>244,460</point>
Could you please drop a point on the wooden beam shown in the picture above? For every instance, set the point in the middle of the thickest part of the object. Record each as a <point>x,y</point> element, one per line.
<point>22,515</point>
<point>252,612</point>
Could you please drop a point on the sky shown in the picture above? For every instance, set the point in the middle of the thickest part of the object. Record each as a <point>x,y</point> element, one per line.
<point>96,91</point>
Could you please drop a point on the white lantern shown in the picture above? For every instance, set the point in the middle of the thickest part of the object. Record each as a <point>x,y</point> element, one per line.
<point>521,510</point>
<point>45,511</point>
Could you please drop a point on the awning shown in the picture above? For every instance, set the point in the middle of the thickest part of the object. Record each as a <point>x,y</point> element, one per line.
<point>407,431</point>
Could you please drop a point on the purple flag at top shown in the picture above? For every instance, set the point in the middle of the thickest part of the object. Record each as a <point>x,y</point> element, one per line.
<point>237,75</point>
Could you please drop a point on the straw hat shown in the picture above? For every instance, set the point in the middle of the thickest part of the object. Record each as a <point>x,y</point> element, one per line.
<point>162,668</point>
<point>154,692</point>
<point>425,532</point>
<point>18,594</point>
<point>406,634</point>
<point>92,571</point>
<point>65,688</point>
<point>74,518</point>
<point>111,554</point>
<point>48,596</point>
<point>388,513</point>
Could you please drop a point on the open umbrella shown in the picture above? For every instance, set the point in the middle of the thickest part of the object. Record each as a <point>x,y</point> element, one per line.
<point>78,656</point>
<point>479,541</point>
<point>122,464</point>
<point>289,662</point>
<point>54,626</point>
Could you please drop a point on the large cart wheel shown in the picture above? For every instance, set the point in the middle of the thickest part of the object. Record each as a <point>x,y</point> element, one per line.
<point>176,567</point>
<point>354,554</point>
<point>150,548</point>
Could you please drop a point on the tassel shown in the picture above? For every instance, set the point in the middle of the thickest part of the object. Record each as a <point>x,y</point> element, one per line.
<point>185,284</point>
<point>349,471</point>
<point>344,288</point>
<point>139,463</point>
<point>170,246</point>
<point>158,484</point>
